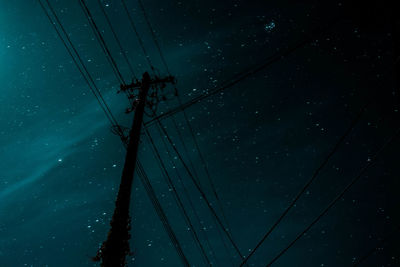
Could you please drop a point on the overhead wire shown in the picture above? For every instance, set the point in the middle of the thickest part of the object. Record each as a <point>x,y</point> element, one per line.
<point>102,42</point>
<point>160,212</point>
<point>158,208</point>
<point>154,36</point>
<point>100,39</point>
<point>199,181</point>
<point>367,255</point>
<point>100,97</point>
<point>383,242</point>
<point>133,27</point>
<point>188,196</point>
<point>108,55</point>
<point>204,164</point>
<point>186,151</point>
<point>168,71</point>
<point>309,182</point>
<point>371,161</point>
<point>177,197</point>
<point>246,73</point>
<point>77,58</point>
<point>203,195</point>
<point>122,50</point>
<point>114,122</point>
<point>141,172</point>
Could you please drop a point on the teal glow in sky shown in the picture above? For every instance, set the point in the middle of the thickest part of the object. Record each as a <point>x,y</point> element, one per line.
<point>262,139</point>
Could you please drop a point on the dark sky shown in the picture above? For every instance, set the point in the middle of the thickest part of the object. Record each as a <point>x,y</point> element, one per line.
<point>262,139</point>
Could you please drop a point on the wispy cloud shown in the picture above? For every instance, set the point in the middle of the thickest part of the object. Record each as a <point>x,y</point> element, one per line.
<point>26,162</point>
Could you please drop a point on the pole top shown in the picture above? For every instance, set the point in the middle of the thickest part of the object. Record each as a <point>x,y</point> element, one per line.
<point>155,95</point>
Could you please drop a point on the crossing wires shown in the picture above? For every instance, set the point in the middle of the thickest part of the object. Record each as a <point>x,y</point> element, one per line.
<point>177,198</point>
<point>134,29</point>
<point>370,163</point>
<point>76,58</point>
<point>156,203</point>
<point>102,42</point>
<point>309,182</point>
<point>249,72</point>
<point>203,195</point>
<point>64,37</point>
<point>191,131</point>
<point>122,50</point>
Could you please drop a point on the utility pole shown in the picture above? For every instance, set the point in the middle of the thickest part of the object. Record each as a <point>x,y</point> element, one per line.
<point>115,249</point>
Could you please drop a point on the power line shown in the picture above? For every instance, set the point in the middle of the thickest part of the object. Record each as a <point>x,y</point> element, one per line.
<point>113,121</point>
<point>158,208</point>
<point>123,52</point>
<point>154,36</point>
<point>155,39</point>
<point>372,160</point>
<point>188,196</point>
<point>104,46</point>
<point>367,255</point>
<point>185,190</point>
<point>102,42</point>
<point>132,24</point>
<point>156,42</point>
<point>203,195</point>
<point>244,74</point>
<point>204,164</point>
<point>308,183</point>
<point>82,68</point>
<point>198,180</point>
<point>177,197</point>
<point>109,114</point>
<point>160,212</point>
<point>185,149</point>
<point>382,243</point>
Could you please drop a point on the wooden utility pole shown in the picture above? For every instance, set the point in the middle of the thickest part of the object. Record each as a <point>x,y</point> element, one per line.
<point>115,249</point>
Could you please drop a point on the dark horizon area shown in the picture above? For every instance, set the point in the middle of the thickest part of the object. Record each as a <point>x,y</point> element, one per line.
<point>280,98</point>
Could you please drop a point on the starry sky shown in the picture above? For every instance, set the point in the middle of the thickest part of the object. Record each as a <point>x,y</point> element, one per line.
<point>262,138</point>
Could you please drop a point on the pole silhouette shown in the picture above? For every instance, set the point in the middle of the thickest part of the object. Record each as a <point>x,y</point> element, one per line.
<point>115,249</point>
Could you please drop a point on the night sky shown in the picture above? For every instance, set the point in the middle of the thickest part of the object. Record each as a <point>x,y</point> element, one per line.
<point>262,138</point>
